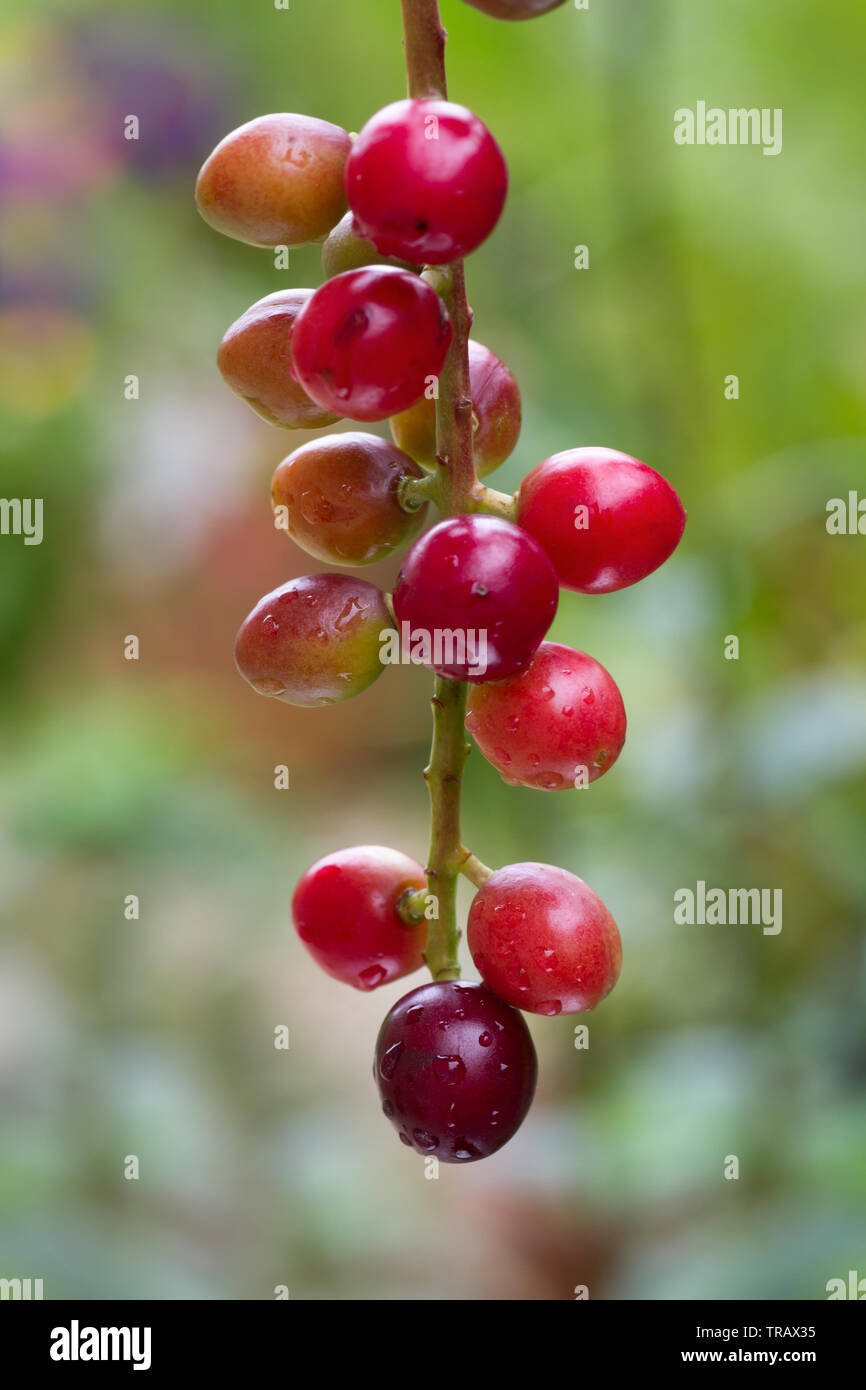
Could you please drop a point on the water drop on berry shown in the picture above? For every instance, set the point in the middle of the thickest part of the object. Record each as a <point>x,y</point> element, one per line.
<point>388,1065</point>
<point>449,1070</point>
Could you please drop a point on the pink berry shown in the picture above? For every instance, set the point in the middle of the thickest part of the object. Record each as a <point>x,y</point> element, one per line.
<point>543,940</point>
<point>345,910</point>
<point>369,342</point>
<point>605,519</point>
<point>456,1071</point>
<point>276,181</point>
<point>314,641</point>
<point>557,723</point>
<point>480,592</point>
<point>255,359</point>
<point>495,407</point>
<point>426,181</point>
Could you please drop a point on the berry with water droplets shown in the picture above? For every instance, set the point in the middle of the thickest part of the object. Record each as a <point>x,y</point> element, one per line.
<point>480,592</point>
<point>369,342</point>
<point>456,1070</point>
<point>314,641</point>
<point>345,910</point>
<point>496,410</point>
<point>543,940</point>
<point>426,181</point>
<point>255,359</point>
<point>339,498</point>
<point>557,723</point>
<point>515,9</point>
<point>605,519</point>
<point>276,181</point>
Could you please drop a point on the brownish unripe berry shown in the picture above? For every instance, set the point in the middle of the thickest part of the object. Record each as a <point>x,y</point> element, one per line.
<point>255,359</point>
<point>276,181</point>
<point>339,498</point>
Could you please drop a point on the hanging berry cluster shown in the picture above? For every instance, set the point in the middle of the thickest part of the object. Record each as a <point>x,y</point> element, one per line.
<point>386,336</point>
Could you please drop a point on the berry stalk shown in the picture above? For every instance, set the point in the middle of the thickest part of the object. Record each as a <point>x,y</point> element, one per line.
<point>424,45</point>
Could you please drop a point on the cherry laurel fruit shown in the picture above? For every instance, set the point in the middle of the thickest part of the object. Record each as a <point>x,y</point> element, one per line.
<point>481,592</point>
<point>340,498</point>
<point>456,1070</point>
<point>345,912</point>
<point>557,723</point>
<point>276,181</point>
<point>605,519</point>
<point>495,406</point>
<point>368,342</point>
<point>345,249</point>
<point>255,359</point>
<point>543,940</point>
<point>426,181</point>
<point>315,640</point>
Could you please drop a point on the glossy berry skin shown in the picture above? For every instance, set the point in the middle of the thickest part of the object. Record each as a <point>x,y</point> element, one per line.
<point>543,940</point>
<point>456,1071</point>
<point>605,519</point>
<point>315,640</point>
<point>255,359</point>
<point>345,912</point>
<point>515,9</point>
<point>344,249</point>
<point>367,342</point>
<point>477,575</point>
<point>556,724</point>
<point>426,181</point>
<point>276,181</point>
<point>340,495</point>
<point>496,407</point>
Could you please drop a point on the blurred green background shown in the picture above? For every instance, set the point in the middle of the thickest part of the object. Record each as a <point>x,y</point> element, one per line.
<point>154,1036</point>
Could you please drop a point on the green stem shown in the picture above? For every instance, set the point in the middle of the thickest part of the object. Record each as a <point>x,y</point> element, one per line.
<point>424,44</point>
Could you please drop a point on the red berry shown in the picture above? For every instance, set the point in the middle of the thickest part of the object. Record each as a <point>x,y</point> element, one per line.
<point>480,592</point>
<point>369,342</point>
<point>495,406</point>
<point>515,9</point>
<point>426,181</point>
<point>456,1070</point>
<point>315,640</point>
<point>543,940</point>
<point>340,496</point>
<point>255,358</point>
<point>344,249</point>
<point>276,181</point>
<point>345,912</point>
<point>605,519</point>
<point>557,723</point>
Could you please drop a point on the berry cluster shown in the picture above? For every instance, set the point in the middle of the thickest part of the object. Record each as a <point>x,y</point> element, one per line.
<point>386,336</point>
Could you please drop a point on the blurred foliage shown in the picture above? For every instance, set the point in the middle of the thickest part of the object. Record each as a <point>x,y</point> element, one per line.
<point>155,1036</point>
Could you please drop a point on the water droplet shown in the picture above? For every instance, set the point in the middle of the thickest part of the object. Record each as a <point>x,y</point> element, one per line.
<point>270,626</point>
<point>568,711</point>
<point>266,685</point>
<point>413,1014</point>
<point>387,1109</point>
<point>534,759</point>
<point>485,1039</point>
<point>502,756</point>
<point>550,780</point>
<point>372,976</point>
<point>513,724</point>
<point>404,1139</point>
<point>425,1140</point>
<point>549,1007</point>
<point>545,693</point>
<point>479,590</point>
<point>388,1064</point>
<point>464,1150</point>
<point>348,614</point>
<point>449,1070</point>
<point>587,695</point>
